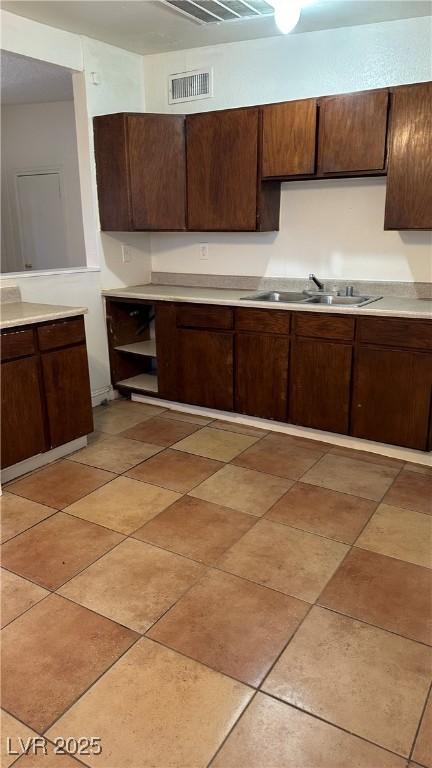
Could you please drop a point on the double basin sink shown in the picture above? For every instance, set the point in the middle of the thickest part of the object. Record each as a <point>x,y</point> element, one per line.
<point>319,297</point>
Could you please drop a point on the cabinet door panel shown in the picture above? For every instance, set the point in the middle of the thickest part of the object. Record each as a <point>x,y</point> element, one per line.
<point>22,433</point>
<point>157,171</point>
<point>409,182</point>
<point>222,157</point>
<point>288,138</point>
<point>320,385</point>
<point>205,368</point>
<point>67,391</point>
<point>392,396</point>
<point>352,133</point>
<point>262,375</point>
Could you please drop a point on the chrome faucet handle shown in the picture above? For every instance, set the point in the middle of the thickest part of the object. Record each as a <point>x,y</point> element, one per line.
<point>349,290</point>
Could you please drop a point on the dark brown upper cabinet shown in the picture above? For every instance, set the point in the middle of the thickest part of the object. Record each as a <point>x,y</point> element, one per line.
<point>289,138</point>
<point>141,171</point>
<point>224,191</point>
<point>352,133</point>
<point>409,183</point>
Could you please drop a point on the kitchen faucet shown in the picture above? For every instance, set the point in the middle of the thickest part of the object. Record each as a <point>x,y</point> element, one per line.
<point>317,282</point>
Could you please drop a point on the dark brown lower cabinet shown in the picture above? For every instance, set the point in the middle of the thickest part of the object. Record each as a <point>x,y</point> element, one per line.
<point>320,384</point>
<point>22,432</point>
<point>392,396</point>
<point>205,368</point>
<point>262,375</point>
<point>67,391</point>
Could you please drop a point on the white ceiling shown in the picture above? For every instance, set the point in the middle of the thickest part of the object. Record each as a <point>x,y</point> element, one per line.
<point>149,26</point>
<point>29,81</point>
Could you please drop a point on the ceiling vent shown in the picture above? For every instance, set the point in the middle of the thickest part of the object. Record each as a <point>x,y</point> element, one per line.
<point>214,11</point>
<point>190,86</point>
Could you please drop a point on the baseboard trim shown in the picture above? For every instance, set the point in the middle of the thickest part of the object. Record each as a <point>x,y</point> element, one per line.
<point>99,396</point>
<point>35,462</point>
<point>345,441</point>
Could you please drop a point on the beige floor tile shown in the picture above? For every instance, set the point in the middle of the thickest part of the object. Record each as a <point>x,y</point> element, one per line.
<point>242,489</point>
<point>319,510</point>
<point>399,533</point>
<point>241,429</point>
<point>196,529</point>
<point>162,432</point>
<point>370,682</point>
<point>60,484</point>
<point>411,490</point>
<point>13,735</point>
<point>193,418</point>
<point>280,455</point>
<point>181,711</point>
<point>368,456</point>
<point>121,415</point>
<point>124,505</point>
<point>359,478</point>
<point>219,444</point>
<point>423,747</point>
<point>286,559</point>
<point>116,454</point>
<point>134,584</point>
<point>175,470</point>
<point>17,596</point>
<point>18,514</point>
<point>56,549</point>
<point>51,654</point>
<point>421,469</point>
<point>272,734</point>
<point>231,625</point>
<point>383,591</point>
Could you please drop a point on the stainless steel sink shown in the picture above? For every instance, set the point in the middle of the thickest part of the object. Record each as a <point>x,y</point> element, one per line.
<point>287,297</point>
<point>338,301</point>
<point>330,299</point>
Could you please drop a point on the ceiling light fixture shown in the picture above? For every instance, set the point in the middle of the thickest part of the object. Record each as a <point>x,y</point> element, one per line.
<point>287,14</point>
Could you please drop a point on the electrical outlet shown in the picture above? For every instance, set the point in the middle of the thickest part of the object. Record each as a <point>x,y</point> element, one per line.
<point>203,251</point>
<point>126,254</point>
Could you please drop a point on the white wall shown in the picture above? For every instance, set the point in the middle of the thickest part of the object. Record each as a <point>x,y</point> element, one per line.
<point>334,228</point>
<point>121,88</point>
<point>36,136</point>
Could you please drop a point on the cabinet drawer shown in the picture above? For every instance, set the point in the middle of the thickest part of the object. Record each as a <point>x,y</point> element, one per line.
<point>61,334</point>
<point>202,316</point>
<point>262,320</point>
<point>324,326</point>
<point>17,344</point>
<point>396,332</point>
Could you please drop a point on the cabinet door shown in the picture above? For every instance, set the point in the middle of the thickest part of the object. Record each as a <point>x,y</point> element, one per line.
<point>262,375</point>
<point>288,138</point>
<point>157,165</point>
<point>22,433</point>
<point>409,181</point>
<point>352,133</point>
<point>205,368</point>
<point>67,392</point>
<point>222,157</point>
<point>392,396</point>
<point>320,384</point>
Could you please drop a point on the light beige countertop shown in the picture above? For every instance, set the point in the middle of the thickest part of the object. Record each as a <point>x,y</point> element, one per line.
<point>389,306</point>
<point>26,313</point>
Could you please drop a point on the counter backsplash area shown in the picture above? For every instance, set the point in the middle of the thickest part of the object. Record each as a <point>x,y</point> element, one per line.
<point>409,290</point>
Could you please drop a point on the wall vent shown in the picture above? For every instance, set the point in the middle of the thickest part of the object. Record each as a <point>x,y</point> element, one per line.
<point>189,86</point>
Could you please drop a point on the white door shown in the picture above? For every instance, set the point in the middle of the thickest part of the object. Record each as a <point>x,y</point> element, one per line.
<point>41,220</point>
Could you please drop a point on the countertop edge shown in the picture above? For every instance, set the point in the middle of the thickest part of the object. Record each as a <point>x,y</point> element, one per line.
<point>42,318</point>
<point>372,309</point>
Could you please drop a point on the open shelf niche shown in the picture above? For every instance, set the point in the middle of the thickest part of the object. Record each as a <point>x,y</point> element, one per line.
<point>132,345</point>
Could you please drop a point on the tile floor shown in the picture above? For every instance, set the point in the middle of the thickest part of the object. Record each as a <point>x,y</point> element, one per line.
<point>197,593</point>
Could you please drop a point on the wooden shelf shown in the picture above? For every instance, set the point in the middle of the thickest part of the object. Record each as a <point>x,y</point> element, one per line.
<point>144,382</point>
<point>146,348</point>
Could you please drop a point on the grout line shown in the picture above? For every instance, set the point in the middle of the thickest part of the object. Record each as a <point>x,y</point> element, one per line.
<point>420,723</point>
